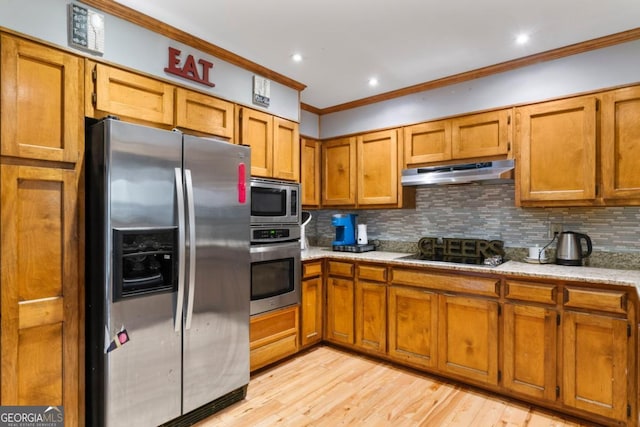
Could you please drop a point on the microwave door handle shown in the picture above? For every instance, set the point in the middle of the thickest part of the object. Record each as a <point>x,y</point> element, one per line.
<point>181,249</point>
<point>192,246</point>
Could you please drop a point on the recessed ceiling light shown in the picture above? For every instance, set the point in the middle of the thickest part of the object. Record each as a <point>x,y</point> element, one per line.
<point>373,82</point>
<point>296,57</point>
<point>522,38</point>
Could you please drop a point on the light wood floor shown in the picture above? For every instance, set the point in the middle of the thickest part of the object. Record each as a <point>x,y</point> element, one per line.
<point>330,387</point>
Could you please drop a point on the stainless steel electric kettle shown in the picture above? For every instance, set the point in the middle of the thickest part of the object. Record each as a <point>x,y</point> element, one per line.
<point>569,248</point>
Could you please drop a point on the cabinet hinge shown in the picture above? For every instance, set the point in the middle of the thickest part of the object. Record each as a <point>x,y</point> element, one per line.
<point>628,411</point>
<point>509,119</point>
<point>499,375</point>
<point>628,330</point>
<point>94,99</point>
<point>557,391</point>
<point>558,319</point>
<point>509,146</point>
<point>94,73</point>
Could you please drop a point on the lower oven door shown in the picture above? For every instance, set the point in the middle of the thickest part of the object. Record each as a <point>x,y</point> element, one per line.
<point>275,276</point>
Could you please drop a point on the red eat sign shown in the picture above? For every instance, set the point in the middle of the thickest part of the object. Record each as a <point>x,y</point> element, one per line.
<point>189,70</point>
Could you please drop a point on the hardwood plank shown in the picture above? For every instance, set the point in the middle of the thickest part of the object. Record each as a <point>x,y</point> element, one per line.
<point>326,386</point>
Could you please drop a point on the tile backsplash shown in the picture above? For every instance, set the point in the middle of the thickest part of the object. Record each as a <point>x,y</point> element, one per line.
<point>489,212</point>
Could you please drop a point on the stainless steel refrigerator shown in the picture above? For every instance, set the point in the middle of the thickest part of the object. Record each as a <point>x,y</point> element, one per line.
<point>167,275</point>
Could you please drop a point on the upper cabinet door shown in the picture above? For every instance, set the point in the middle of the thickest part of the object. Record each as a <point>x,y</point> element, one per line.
<point>203,113</point>
<point>377,168</point>
<point>557,151</point>
<point>427,142</point>
<point>310,173</point>
<point>256,129</point>
<point>339,172</point>
<point>620,145</point>
<point>286,150</point>
<point>131,95</point>
<point>480,135</point>
<point>41,109</point>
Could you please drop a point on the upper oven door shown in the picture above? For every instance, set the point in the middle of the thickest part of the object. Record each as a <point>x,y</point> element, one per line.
<point>274,202</point>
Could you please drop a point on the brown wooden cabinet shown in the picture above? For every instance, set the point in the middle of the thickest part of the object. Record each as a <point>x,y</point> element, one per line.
<point>530,333</point>
<point>363,171</point>
<point>620,145</point>
<point>468,338</point>
<point>427,143</point>
<point>273,336</point>
<point>556,154</point>
<point>42,140</point>
<point>310,173</point>
<point>413,326</point>
<point>274,142</point>
<point>596,352</point>
<point>595,364</point>
<point>146,100</point>
<point>377,168</point>
<point>339,172</point>
<point>205,114</point>
<point>371,307</point>
<point>41,102</point>
<point>286,150</point>
<point>312,303</point>
<point>128,95</point>
<point>340,302</point>
<point>466,137</point>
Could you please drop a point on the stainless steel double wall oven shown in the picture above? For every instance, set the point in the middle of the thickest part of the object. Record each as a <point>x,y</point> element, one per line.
<point>275,244</point>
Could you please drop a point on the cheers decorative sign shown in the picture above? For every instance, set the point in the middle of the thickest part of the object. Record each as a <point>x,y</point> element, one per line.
<point>198,71</point>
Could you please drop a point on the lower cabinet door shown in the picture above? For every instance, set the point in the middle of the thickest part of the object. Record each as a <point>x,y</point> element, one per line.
<point>311,311</point>
<point>39,309</point>
<point>468,338</point>
<point>595,352</point>
<point>529,355</point>
<point>340,321</point>
<point>371,316</point>
<point>413,325</point>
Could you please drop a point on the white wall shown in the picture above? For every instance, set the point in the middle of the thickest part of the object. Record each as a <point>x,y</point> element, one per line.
<point>603,68</point>
<point>135,47</point>
<point>309,124</point>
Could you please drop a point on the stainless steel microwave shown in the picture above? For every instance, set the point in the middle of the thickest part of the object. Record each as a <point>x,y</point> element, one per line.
<point>274,202</point>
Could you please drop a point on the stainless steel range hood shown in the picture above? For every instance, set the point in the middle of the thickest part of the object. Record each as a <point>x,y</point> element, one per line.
<point>493,172</point>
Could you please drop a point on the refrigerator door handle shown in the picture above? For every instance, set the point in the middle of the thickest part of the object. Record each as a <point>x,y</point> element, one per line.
<point>192,246</point>
<point>181,249</point>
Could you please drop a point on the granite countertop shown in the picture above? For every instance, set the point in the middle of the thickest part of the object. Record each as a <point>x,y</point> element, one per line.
<point>539,271</point>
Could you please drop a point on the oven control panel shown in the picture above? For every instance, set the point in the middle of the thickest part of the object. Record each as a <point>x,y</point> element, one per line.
<point>271,233</point>
<point>266,234</point>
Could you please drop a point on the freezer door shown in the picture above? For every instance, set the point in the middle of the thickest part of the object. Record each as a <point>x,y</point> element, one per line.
<point>216,333</point>
<point>143,375</point>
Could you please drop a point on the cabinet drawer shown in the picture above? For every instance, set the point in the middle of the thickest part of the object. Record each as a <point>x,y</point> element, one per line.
<point>269,353</point>
<point>311,269</point>
<point>372,272</point>
<point>594,299</point>
<point>337,268</point>
<point>534,292</point>
<point>273,325</point>
<point>446,282</point>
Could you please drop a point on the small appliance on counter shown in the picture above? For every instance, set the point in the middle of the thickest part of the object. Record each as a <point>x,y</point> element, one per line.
<point>569,248</point>
<point>345,241</point>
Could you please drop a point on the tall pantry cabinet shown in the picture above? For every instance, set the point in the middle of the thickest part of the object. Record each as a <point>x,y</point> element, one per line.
<point>41,139</point>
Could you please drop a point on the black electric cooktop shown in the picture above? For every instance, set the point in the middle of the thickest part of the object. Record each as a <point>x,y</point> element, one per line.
<point>448,258</point>
<point>460,251</point>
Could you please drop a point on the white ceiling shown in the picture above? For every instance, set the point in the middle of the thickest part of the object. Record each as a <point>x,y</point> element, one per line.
<point>401,42</point>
